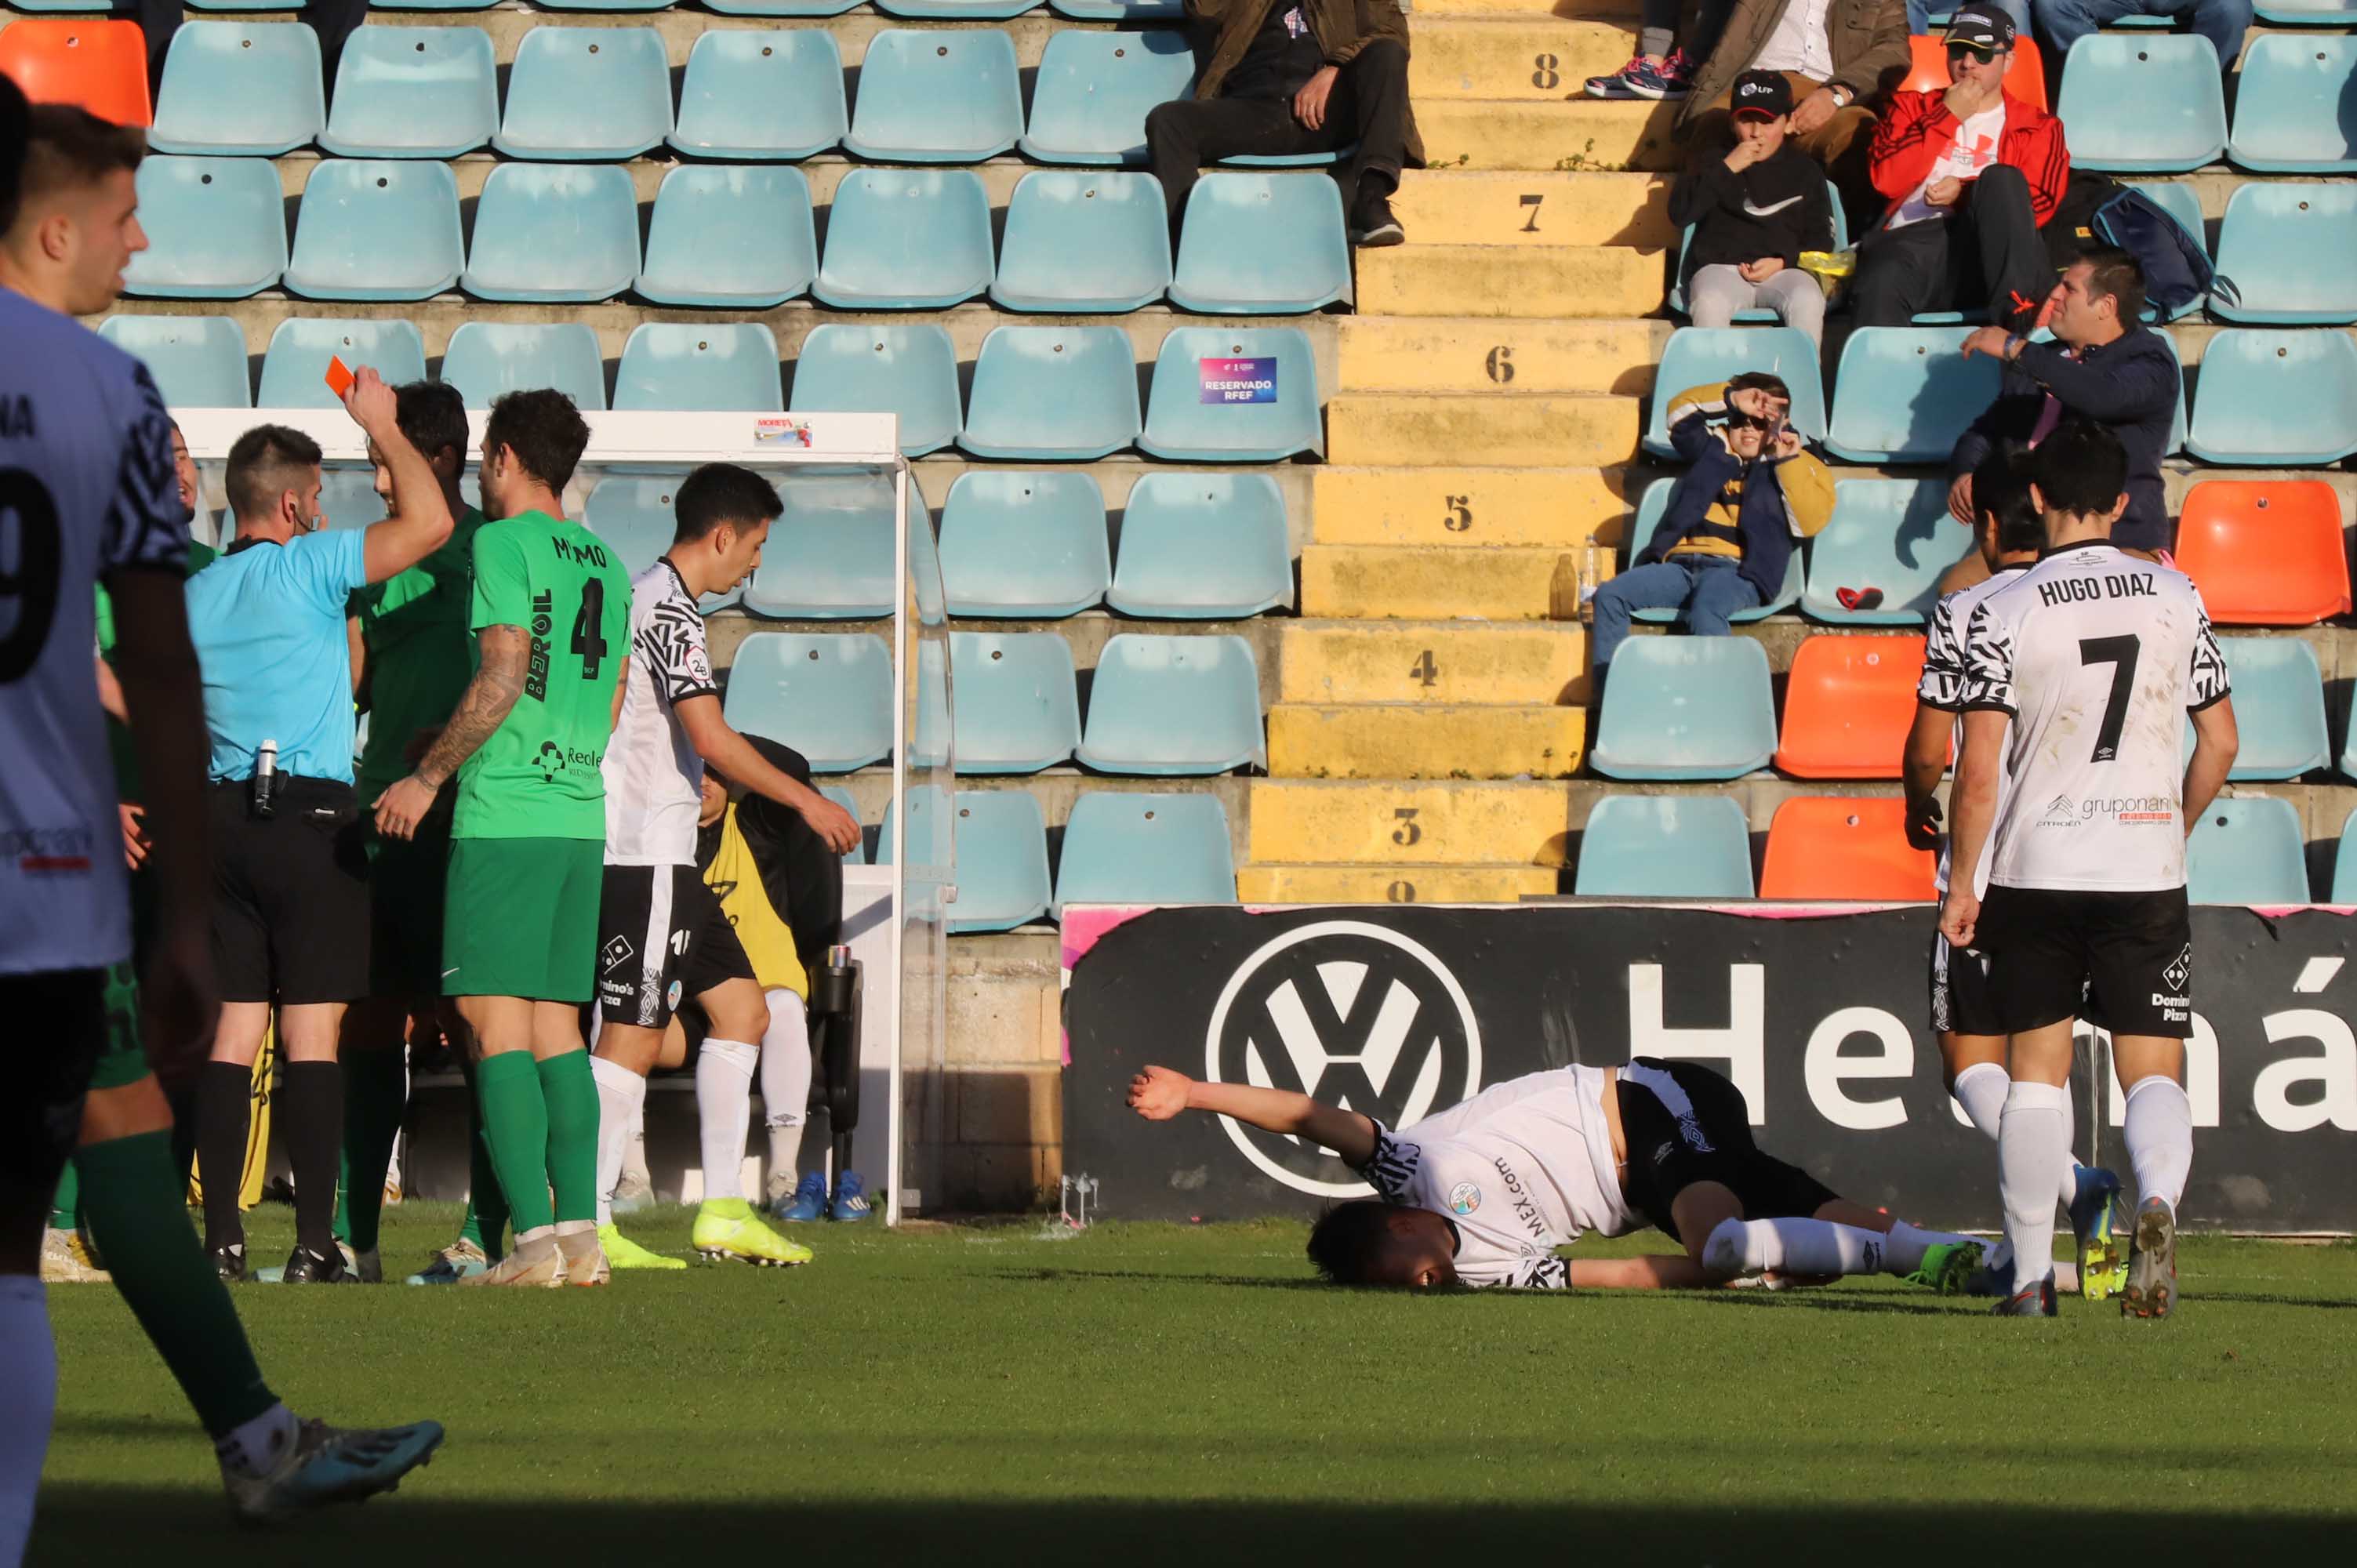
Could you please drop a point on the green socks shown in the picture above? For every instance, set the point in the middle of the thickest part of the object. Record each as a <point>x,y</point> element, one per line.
<point>68,1202</point>
<point>516,1126</point>
<point>487,1204</point>
<point>376,1092</point>
<point>570,1091</point>
<point>132,1206</point>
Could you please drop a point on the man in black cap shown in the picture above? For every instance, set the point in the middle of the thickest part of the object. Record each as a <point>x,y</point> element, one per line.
<point>1754,207</point>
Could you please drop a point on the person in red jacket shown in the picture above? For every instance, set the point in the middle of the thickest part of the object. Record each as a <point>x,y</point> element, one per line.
<point>1972,174</point>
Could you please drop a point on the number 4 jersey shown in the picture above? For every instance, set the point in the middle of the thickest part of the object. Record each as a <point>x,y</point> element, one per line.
<point>2098,655</point>
<point>539,775</point>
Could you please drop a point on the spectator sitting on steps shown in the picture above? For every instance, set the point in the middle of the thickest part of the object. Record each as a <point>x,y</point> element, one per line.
<point>1658,70</point>
<point>1754,209</point>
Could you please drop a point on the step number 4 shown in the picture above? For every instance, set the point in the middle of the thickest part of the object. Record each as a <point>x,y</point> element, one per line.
<point>1425,670</point>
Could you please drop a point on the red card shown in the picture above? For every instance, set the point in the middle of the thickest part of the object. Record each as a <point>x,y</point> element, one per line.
<point>339,377</point>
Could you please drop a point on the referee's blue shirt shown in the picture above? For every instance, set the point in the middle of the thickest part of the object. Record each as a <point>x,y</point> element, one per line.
<point>268,625</point>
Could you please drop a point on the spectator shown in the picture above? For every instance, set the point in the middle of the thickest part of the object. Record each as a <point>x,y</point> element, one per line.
<point>2064,22</point>
<point>1919,15</point>
<point>1727,540</point>
<point>1297,76</point>
<point>1658,70</point>
<point>1972,174</point>
<point>1842,58</point>
<point>1754,209</point>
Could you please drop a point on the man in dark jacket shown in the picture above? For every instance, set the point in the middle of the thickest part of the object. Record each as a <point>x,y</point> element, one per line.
<point>1287,77</point>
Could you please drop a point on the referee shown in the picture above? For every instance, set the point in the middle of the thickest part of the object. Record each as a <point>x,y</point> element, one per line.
<point>290,894</point>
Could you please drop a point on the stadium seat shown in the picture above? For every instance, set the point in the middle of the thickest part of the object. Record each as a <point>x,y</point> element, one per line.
<point>248,89</point>
<point>2278,708</point>
<point>1202,547</point>
<point>2286,245</point>
<point>1928,72</point>
<point>1052,394</point>
<point>2143,105</point>
<point>857,853</point>
<point>1121,10</point>
<point>486,359</point>
<point>2265,553</point>
<point>910,370</point>
<point>1892,535</point>
<point>937,97</point>
<point>761,96</point>
<point>906,240</point>
<point>348,498</point>
<point>294,366</point>
<point>1024,545</point>
<point>1262,244</point>
<point>413,93</point>
<point>717,367</point>
<point>1904,394</point>
<point>1698,356</point>
<point>216,228</point>
<point>1123,848</point>
<point>606,5</point>
<point>1016,700</point>
<point>637,518</point>
<point>197,361</point>
<point>1686,707</point>
<point>2345,862</point>
<point>1093,91</point>
<point>1834,846</point>
<point>1848,704</point>
<point>828,697</point>
<point>1756,316</point>
<point>2307,13</point>
<point>1266,424</point>
<point>779,7</point>
<point>1171,706</point>
<point>735,238</point>
<point>2276,397</point>
<point>1083,242</point>
<point>102,66</point>
<point>957,10</point>
<point>2248,850</point>
<point>1001,843</point>
<point>832,554</point>
<point>1665,847</point>
<point>1649,508</point>
<point>587,95</point>
<point>555,234</point>
<point>2296,104</point>
<point>374,228</point>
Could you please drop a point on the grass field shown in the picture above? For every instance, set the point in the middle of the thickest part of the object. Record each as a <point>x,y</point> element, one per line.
<point>1145,1394</point>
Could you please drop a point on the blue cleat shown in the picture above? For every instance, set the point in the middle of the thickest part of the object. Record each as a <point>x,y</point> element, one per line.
<point>808,1202</point>
<point>328,1465</point>
<point>850,1204</point>
<point>2097,1218</point>
<point>2037,1301</point>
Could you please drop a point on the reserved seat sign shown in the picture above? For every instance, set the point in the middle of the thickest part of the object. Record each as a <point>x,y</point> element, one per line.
<point>1237,380</point>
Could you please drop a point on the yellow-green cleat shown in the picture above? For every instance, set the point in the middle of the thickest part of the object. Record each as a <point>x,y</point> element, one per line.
<point>621,1252</point>
<point>727,1228</point>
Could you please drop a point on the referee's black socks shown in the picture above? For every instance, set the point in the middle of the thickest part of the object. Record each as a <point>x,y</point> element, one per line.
<point>311,1120</point>
<point>224,1125</point>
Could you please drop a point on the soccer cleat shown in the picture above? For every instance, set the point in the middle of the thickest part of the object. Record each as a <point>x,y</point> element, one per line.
<point>850,1204</point>
<point>633,1193</point>
<point>808,1202</point>
<point>545,1272</point>
<point>66,1260</point>
<point>2095,1222</point>
<point>1374,226</point>
<point>327,1465</point>
<point>230,1261</point>
<point>460,1260</point>
<point>726,1228</point>
<point>1948,1268</point>
<point>584,1259</point>
<point>2038,1301</point>
<point>621,1252</point>
<point>308,1268</point>
<point>2151,1289</point>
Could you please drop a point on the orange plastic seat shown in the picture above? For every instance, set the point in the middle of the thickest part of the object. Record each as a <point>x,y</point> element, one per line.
<point>1832,846</point>
<point>2265,551</point>
<point>2024,77</point>
<point>1848,706</point>
<point>103,66</point>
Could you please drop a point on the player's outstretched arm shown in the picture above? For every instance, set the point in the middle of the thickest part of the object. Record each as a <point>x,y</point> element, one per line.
<point>2216,740</point>
<point>732,753</point>
<point>1975,801</point>
<point>485,704</point>
<point>1159,1093</point>
<point>420,522</point>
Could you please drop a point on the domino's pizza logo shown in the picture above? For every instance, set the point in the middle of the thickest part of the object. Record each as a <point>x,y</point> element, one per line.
<point>2180,970</point>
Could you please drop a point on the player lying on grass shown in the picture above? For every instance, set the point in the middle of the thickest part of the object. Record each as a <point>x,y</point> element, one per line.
<point>1483,1193</point>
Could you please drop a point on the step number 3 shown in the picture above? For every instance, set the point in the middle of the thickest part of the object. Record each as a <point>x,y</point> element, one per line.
<point>1407,835</point>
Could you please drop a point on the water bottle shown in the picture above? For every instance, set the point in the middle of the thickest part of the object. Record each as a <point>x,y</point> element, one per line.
<point>266,776</point>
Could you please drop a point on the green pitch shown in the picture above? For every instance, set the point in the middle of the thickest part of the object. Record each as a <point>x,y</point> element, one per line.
<point>1155,1393</point>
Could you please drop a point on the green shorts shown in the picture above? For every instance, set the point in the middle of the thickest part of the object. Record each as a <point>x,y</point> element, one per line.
<point>407,880</point>
<point>521,918</point>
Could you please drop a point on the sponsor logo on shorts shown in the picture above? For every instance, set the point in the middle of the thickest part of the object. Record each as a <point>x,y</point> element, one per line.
<point>2174,1009</point>
<point>671,997</point>
<point>616,953</point>
<point>2179,971</point>
<point>1464,1198</point>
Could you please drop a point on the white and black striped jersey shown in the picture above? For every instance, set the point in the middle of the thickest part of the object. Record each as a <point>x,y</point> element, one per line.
<point>1520,1169</point>
<point>653,776</point>
<point>2098,656</point>
<point>1943,686</point>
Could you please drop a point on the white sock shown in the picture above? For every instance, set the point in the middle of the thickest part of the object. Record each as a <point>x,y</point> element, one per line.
<point>255,1448</point>
<point>1981,1090</point>
<point>1904,1245</point>
<point>785,1081</point>
<point>621,1095</point>
<point>28,1401</point>
<point>2033,1154</point>
<point>1810,1248</point>
<point>724,1111</point>
<point>2159,1136</point>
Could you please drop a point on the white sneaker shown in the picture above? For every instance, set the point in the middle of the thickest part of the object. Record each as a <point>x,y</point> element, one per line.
<point>66,1260</point>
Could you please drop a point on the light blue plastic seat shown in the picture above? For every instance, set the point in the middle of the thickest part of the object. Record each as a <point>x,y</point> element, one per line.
<point>2144,104</point>
<point>249,89</point>
<point>1166,706</point>
<point>1892,535</point>
<point>2344,865</point>
<point>1665,847</point>
<point>1263,405</point>
<point>1093,91</point>
<point>957,10</point>
<point>1756,315</point>
<point>1686,707</point>
<point>2287,247</point>
<point>607,5</point>
<point>1047,395</point>
<point>2296,104</point>
<point>717,366</point>
<point>1016,700</point>
<point>2248,850</point>
<point>555,233</point>
<point>1121,10</point>
<point>736,238</point>
<point>637,518</point>
<point>1124,848</point>
<point>1203,547</point>
<point>197,361</point>
<point>1024,545</point>
<point>348,498</point>
<point>1262,244</point>
<point>587,95</point>
<point>906,240</point>
<point>374,228</point>
<point>761,95</point>
<point>2181,202</point>
<point>1698,356</point>
<point>937,97</point>
<point>433,5</point>
<point>779,7</point>
<point>215,228</point>
<point>1001,839</point>
<point>2278,708</point>
<point>828,697</point>
<point>2275,397</point>
<point>1083,242</point>
<point>1904,394</point>
<point>857,853</point>
<point>413,93</point>
<point>2307,13</point>
<point>294,366</point>
<point>1650,509</point>
<point>907,369</point>
<point>831,552</point>
<point>486,359</point>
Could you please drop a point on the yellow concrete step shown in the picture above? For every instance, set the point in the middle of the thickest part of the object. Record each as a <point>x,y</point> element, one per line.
<point>1544,59</point>
<point>1460,354</point>
<point>1377,582</point>
<point>1452,823</point>
<point>1422,279</point>
<point>1535,207</point>
<point>1395,885</point>
<point>1408,740</point>
<point>1448,662</point>
<point>1578,134</point>
<point>1507,430</point>
<point>1467,507</point>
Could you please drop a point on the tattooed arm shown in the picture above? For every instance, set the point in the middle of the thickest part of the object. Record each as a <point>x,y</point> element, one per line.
<point>482,708</point>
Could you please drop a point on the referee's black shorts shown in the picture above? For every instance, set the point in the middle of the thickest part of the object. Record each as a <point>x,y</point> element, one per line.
<point>290,893</point>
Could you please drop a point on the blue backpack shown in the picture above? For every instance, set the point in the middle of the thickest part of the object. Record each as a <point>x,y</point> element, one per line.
<point>2177,269</point>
